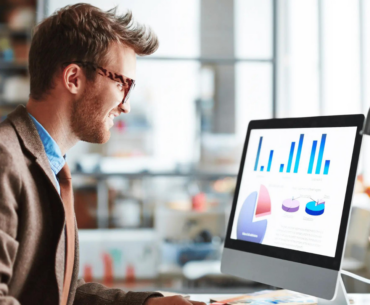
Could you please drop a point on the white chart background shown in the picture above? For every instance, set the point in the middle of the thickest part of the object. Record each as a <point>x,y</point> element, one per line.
<point>299,231</point>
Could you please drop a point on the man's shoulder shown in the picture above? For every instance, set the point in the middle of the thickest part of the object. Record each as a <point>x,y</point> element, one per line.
<point>11,152</point>
<point>6,128</point>
<point>9,141</point>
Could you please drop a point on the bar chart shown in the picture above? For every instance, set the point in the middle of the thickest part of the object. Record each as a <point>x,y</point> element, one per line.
<point>294,168</point>
<point>321,153</point>
<point>290,157</point>
<point>258,153</point>
<point>312,158</point>
<point>270,160</point>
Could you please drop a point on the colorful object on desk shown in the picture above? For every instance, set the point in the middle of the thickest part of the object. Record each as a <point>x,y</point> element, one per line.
<point>199,202</point>
<point>108,270</point>
<point>130,273</point>
<point>267,297</point>
<point>88,277</point>
<point>121,126</point>
<point>228,301</point>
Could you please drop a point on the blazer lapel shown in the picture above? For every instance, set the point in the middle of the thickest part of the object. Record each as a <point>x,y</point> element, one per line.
<point>31,140</point>
<point>76,268</point>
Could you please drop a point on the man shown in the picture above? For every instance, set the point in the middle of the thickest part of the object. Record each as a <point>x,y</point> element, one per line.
<point>82,66</point>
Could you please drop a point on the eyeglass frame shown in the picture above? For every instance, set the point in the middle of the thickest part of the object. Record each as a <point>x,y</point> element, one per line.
<point>108,74</point>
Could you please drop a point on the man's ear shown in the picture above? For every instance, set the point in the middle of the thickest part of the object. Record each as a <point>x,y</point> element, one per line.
<point>73,78</point>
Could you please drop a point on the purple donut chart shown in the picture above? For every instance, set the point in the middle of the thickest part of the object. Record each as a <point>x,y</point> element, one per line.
<point>290,205</point>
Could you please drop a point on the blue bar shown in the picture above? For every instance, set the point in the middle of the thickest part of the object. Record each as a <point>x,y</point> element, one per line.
<point>262,167</point>
<point>321,154</point>
<point>298,158</point>
<point>258,154</point>
<point>270,160</point>
<point>281,168</point>
<point>326,168</point>
<point>290,157</point>
<point>312,158</point>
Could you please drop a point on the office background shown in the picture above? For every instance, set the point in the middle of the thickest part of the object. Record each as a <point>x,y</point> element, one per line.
<point>152,204</point>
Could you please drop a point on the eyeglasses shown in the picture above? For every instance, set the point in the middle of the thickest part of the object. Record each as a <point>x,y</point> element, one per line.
<point>126,84</point>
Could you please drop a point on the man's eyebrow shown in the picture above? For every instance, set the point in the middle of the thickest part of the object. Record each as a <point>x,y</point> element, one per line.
<point>113,75</point>
<point>110,75</point>
<point>120,77</point>
<point>103,70</point>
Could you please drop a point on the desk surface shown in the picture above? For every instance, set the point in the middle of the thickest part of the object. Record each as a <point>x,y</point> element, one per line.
<point>358,298</point>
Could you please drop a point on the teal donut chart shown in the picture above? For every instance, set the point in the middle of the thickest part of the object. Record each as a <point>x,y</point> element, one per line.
<point>314,208</point>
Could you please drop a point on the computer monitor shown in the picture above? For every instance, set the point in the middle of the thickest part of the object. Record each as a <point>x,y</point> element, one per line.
<point>292,203</point>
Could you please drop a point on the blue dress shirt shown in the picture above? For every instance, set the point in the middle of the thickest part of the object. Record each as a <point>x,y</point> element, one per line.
<point>52,150</point>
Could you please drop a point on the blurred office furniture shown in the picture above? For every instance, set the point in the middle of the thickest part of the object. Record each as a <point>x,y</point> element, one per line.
<point>207,274</point>
<point>111,255</point>
<point>189,235</point>
<point>145,186</point>
<point>197,270</point>
<point>186,213</point>
<point>17,19</point>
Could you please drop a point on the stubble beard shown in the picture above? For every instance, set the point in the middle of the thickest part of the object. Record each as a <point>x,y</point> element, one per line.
<point>87,121</point>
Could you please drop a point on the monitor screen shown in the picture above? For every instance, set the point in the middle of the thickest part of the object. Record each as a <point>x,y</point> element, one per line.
<point>293,186</point>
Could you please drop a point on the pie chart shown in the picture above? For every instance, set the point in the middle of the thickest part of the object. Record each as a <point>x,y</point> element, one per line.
<point>247,229</point>
<point>290,205</point>
<point>315,208</point>
<point>264,202</point>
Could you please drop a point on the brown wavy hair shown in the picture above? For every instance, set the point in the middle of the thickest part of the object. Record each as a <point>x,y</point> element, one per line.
<point>82,32</point>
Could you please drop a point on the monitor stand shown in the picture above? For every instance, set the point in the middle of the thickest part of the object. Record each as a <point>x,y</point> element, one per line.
<point>340,297</point>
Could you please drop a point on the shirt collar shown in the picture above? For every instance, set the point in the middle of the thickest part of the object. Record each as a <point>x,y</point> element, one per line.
<point>52,149</point>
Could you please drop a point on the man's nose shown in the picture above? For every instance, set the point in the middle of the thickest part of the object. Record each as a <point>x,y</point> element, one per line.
<point>125,107</point>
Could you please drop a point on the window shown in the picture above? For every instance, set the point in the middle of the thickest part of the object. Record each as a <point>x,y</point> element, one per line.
<point>323,60</point>
<point>254,70</point>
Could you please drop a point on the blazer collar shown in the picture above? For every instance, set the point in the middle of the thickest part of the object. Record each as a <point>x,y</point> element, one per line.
<point>30,139</point>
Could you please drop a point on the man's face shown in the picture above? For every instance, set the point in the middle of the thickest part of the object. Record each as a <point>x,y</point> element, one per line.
<point>93,112</point>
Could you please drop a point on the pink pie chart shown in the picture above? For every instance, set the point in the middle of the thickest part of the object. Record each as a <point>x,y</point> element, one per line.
<point>290,205</point>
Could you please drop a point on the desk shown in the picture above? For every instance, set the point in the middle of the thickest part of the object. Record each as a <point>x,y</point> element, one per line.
<point>358,298</point>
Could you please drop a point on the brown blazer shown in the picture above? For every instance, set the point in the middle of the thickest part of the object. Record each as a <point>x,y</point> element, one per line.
<point>32,242</point>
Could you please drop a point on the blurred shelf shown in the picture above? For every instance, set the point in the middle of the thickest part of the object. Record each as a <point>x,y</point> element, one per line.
<point>16,34</point>
<point>206,60</point>
<point>185,213</point>
<point>12,104</point>
<point>361,201</point>
<point>195,174</point>
<point>11,66</point>
<point>132,133</point>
